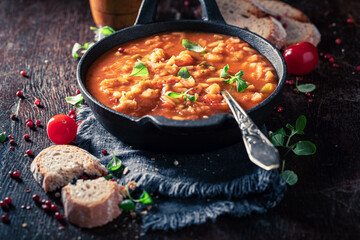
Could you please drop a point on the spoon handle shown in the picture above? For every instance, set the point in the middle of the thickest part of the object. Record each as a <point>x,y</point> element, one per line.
<point>260,150</point>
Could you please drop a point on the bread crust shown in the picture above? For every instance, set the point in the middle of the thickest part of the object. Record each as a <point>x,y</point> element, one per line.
<point>46,180</point>
<point>94,214</point>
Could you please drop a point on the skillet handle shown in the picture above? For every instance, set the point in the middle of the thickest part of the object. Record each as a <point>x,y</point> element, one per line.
<point>148,9</point>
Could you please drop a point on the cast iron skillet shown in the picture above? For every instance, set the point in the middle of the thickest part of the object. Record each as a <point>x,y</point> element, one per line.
<point>161,134</point>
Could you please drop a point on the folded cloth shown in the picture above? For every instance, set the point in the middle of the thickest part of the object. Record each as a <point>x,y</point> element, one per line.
<point>188,188</point>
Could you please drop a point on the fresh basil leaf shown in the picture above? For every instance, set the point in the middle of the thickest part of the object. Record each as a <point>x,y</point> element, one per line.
<point>184,73</point>
<point>277,138</point>
<point>114,164</point>
<point>145,198</point>
<point>224,73</point>
<point>289,176</point>
<point>106,30</point>
<point>230,80</point>
<point>127,205</point>
<point>239,74</point>
<point>108,177</point>
<point>140,70</point>
<point>289,126</point>
<point>304,88</point>
<point>75,100</point>
<point>194,47</point>
<point>304,148</point>
<point>300,124</point>
<point>192,98</point>
<point>241,84</point>
<point>2,137</point>
<point>174,95</point>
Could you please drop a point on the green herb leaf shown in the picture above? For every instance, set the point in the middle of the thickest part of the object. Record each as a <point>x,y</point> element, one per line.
<point>174,95</point>
<point>75,100</point>
<point>184,73</point>
<point>192,98</point>
<point>239,74</point>
<point>300,124</point>
<point>77,47</point>
<point>115,164</point>
<point>145,198</point>
<point>230,80</point>
<point>304,88</point>
<point>289,126</point>
<point>140,70</point>
<point>277,138</point>
<point>127,205</point>
<point>241,84</point>
<point>194,47</point>
<point>108,177</point>
<point>106,30</point>
<point>224,73</point>
<point>289,176</point>
<point>304,148</point>
<point>2,137</point>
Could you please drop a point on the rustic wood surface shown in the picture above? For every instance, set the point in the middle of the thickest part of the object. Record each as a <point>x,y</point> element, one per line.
<point>37,36</point>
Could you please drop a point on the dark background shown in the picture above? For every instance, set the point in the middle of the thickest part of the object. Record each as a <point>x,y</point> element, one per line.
<point>37,36</point>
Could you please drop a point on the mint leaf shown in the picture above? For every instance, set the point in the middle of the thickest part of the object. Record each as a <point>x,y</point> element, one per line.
<point>75,100</point>
<point>304,148</point>
<point>224,73</point>
<point>241,84</point>
<point>127,205</point>
<point>145,198</point>
<point>174,94</point>
<point>187,96</point>
<point>194,47</point>
<point>184,73</point>
<point>289,126</point>
<point>239,74</point>
<point>106,30</point>
<point>304,88</point>
<point>277,138</point>
<point>300,124</point>
<point>140,70</point>
<point>77,47</point>
<point>289,176</point>
<point>114,165</point>
<point>2,137</point>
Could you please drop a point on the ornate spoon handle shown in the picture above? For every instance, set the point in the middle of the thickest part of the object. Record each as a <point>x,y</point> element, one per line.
<point>260,150</point>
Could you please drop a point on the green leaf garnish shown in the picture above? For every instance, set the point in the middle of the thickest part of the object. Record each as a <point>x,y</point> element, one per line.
<point>194,47</point>
<point>300,124</point>
<point>106,30</point>
<point>2,137</point>
<point>145,198</point>
<point>140,70</point>
<point>108,177</point>
<point>277,138</point>
<point>77,47</point>
<point>304,88</point>
<point>304,148</point>
<point>187,96</point>
<point>289,176</point>
<point>241,84</point>
<point>75,100</point>
<point>184,73</point>
<point>127,205</point>
<point>115,163</point>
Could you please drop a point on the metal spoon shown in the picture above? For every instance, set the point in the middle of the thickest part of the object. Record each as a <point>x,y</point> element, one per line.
<point>260,150</point>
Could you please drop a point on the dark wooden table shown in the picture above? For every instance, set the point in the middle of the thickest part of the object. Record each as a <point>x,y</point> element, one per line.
<point>37,36</point>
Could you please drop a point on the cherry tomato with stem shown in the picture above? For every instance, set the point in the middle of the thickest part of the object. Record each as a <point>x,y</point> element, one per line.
<point>301,58</point>
<point>61,129</point>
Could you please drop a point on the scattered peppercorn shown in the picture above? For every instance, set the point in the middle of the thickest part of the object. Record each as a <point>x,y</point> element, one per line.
<point>48,203</point>
<point>29,153</point>
<point>15,174</point>
<point>12,142</point>
<point>285,25</point>
<point>2,203</point>
<point>8,200</point>
<point>54,207</point>
<point>23,73</point>
<point>30,124</point>
<point>358,68</point>
<point>104,152</point>
<point>45,207</point>
<point>350,20</point>
<point>327,56</point>
<point>12,148</point>
<point>5,218</point>
<point>26,137</point>
<point>19,94</point>
<point>58,216</point>
<point>338,41</point>
<point>77,91</point>
<point>28,207</point>
<point>11,137</point>
<point>279,109</point>
<point>73,116</point>
<point>38,123</point>
<point>71,112</point>
<point>37,102</point>
<point>335,65</point>
<point>331,60</point>
<point>121,50</point>
<point>27,189</point>
<point>36,198</point>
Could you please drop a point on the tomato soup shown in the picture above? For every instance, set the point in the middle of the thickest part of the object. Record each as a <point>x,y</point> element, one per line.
<point>180,75</point>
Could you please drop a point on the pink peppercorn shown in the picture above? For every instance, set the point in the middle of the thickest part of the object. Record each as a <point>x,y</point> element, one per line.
<point>15,174</point>
<point>285,25</point>
<point>71,112</point>
<point>278,17</point>
<point>45,207</point>
<point>310,100</point>
<point>58,216</point>
<point>338,41</point>
<point>327,56</point>
<point>350,20</point>
<point>335,65</point>
<point>358,68</point>
<point>19,94</point>
<point>121,50</point>
<point>307,94</point>
<point>3,204</point>
<point>10,136</point>
<point>8,200</point>
<point>77,91</point>
<point>36,198</point>
<point>29,152</point>
<point>37,102</point>
<point>26,137</point>
<point>5,218</point>
<point>186,3</point>
<point>331,60</point>
<point>291,82</point>
<point>30,124</point>
<point>12,142</point>
<point>54,207</point>
<point>12,148</point>
<point>38,123</point>
<point>279,109</point>
<point>23,73</point>
<point>104,152</point>
<point>73,116</point>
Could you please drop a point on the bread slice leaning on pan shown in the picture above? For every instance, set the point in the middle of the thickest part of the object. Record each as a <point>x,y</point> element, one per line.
<point>91,203</point>
<point>58,165</point>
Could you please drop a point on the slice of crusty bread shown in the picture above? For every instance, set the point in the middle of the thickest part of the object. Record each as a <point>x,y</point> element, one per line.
<point>58,165</point>
<point>279,8</point>
<point>91,203</point>
<point>247,7</point>
<point>300,32</point>
<point>267,27</point>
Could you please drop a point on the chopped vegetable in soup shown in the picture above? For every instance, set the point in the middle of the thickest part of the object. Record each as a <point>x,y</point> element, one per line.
<point>179,75</point>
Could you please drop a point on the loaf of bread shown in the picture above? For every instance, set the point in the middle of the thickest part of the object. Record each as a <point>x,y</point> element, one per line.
<point>91,203</point>
<point>58,165</point>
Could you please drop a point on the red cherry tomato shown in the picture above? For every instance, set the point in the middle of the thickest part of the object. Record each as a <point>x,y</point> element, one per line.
<point>61,129</point>
<point>301,58</point>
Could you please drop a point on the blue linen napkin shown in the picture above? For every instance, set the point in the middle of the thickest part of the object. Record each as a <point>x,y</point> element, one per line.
<point>188,188</point>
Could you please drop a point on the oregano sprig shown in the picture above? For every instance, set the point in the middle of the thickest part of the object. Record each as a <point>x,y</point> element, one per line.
<point>192,98</point>
<point>241,84</point>
<point>301,148</point>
